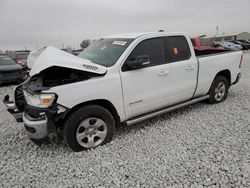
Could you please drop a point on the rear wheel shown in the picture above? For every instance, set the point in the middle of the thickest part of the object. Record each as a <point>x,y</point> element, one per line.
<point>89,127</point>
<point>219,90</point>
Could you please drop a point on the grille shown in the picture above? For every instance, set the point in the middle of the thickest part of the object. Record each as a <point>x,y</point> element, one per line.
<point>19,98</point>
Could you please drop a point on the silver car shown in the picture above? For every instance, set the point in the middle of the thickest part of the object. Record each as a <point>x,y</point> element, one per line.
<point>229,45</point>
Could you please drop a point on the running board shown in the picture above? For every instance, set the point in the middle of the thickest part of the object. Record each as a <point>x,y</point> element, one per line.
<point>162,111</point>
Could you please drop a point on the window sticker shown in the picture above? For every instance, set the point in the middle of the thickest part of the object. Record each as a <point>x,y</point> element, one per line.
<point>175,51</point>
<point>103,48</point>
<point>120,43</point>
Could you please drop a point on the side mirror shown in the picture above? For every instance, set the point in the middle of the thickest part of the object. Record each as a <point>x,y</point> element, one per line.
<point>139,62</point>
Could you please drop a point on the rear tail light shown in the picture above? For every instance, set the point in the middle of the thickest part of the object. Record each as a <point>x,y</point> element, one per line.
<point>241,59</point>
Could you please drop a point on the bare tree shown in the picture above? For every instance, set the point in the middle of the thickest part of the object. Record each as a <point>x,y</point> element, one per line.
<point>85,43</point>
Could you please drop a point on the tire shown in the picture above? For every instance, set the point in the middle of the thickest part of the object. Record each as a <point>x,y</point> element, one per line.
<point>88,127</point>
<point>219,90</point>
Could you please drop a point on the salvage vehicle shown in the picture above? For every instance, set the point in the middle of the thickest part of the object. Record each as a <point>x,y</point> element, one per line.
<point>204,46</point>
<point>124,78</point>
<point>10,71</point>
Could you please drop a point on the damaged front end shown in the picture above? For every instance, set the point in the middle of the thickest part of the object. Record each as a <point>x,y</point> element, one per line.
<point>38,121</point>
<point>34,104</point>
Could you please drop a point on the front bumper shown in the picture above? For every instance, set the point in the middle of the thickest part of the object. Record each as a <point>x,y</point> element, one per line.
<point>38,123</point>
<point>36,128</point>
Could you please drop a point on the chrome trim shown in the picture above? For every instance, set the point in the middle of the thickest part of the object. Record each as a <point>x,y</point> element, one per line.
<point>147,116</point>
<point>40,125</point>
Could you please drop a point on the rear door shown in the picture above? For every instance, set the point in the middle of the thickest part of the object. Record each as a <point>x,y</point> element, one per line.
<point>148,88</point>
<point>184,68</point>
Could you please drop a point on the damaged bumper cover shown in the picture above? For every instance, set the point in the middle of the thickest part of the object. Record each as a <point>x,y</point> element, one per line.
<point>36,128</point>
<point>39,123</point>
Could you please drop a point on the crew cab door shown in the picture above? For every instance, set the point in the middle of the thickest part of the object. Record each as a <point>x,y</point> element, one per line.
<point>184,68</point>
<point>148,88</point>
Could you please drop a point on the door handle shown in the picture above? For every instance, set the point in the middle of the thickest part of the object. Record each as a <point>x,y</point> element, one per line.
<point>190,67</point>
<point>163,73</point>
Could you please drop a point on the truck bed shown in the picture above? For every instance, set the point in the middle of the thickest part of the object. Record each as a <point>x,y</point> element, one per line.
<point>229,60</point>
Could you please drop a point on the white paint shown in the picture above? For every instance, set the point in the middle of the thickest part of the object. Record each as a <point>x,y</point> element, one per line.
<point>50,56</point>
<point>139,91</point>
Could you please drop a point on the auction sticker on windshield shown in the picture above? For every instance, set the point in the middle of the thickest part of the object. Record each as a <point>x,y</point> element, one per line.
<point>120,43</point>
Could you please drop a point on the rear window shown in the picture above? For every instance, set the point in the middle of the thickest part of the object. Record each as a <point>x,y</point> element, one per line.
<point>177,49</point>
<point>206,42</point>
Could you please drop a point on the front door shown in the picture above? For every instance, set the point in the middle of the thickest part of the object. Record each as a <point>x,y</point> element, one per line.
<point>148,88</point>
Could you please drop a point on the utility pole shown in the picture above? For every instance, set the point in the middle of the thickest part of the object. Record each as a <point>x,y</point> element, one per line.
<point>216,32</point>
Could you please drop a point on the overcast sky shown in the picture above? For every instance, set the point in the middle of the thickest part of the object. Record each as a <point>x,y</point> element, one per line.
<point>36,23</point>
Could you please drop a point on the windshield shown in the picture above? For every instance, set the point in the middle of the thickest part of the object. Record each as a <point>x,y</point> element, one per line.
<point>22,56</point>
<point>105,51</point>
<point>6,61</point>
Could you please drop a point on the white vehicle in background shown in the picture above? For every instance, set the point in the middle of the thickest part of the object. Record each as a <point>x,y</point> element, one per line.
<point>229,45</point>
<point>124,78</point>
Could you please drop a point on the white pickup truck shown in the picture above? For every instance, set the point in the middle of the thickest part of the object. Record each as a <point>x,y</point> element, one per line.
<point>123,78</point>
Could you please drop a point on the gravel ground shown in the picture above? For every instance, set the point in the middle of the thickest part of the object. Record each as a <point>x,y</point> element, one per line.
<point>198,146</point>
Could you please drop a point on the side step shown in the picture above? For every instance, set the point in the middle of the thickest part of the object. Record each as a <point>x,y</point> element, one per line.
<point>162,111</point>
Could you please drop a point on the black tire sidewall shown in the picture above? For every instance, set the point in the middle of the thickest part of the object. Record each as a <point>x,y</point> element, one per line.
<point>72,122</point>
<point>215,83</point>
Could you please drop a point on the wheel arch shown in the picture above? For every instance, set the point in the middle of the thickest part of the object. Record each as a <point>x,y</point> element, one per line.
<point>101,102</point>
<point>226,73</point>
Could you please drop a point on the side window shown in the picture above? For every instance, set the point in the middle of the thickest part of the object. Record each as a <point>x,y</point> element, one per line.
<point>177,48</point>
<point>151,47</point>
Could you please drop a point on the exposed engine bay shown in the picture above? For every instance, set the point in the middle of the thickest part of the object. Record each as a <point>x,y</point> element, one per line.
<point>56,76</point>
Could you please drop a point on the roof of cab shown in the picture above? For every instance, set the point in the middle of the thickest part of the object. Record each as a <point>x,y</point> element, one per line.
<point>136,35</point>
<point>129,35</point>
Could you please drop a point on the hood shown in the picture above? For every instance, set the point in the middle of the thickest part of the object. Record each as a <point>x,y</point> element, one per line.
<point>10,67</point>
<point>49,56</point>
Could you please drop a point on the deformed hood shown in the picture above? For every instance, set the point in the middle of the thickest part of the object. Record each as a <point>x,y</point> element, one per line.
<point>49,56</point>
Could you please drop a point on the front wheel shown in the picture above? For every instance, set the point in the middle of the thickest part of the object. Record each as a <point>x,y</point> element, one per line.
<point>89,127</point>
<point>219,90</point>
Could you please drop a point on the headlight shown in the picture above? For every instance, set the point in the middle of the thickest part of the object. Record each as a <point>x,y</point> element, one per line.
<point>42,100</point>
